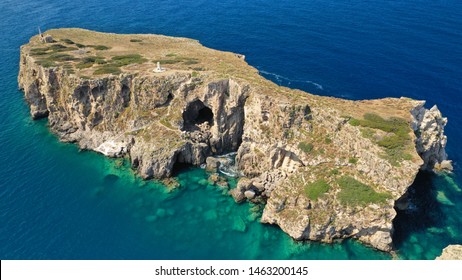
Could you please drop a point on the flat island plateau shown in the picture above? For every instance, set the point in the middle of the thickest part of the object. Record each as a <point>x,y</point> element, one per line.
<point>324,168</point>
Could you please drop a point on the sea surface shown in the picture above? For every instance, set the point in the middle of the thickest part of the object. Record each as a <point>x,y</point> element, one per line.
<point>57,202</point>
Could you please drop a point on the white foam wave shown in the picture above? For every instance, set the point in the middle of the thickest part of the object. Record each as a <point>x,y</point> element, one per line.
<point>280,78</point>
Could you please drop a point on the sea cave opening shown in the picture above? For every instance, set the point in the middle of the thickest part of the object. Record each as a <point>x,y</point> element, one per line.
<point>197,113</point>
<point>421,209</point>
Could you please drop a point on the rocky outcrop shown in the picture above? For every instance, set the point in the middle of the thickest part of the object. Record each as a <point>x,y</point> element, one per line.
<point>452,252</point>
<point>284,140</point>
<point>428,125</point>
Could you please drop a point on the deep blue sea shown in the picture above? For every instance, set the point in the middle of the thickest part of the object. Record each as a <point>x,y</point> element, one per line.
<point>57,202</point>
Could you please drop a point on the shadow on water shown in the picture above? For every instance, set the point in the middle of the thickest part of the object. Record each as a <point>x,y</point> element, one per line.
<point>424,210</point>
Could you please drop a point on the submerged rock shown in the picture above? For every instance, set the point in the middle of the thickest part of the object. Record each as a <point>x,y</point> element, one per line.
<point>239,225</point>
<point>171,184</point>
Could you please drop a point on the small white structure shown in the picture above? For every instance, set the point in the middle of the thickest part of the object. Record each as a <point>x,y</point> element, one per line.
<point>45,38</point>
<point>158,68</point>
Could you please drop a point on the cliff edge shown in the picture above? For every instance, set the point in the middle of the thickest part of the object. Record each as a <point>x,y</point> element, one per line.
<point>325,168</point>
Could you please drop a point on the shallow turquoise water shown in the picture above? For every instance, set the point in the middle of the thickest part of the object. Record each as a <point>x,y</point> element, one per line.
<point>59,203</point>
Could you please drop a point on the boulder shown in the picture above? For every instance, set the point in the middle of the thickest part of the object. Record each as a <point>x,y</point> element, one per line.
<point>212,164</point>
<point>237,195</point>
<point>249,194</point>
<point>244,184</point>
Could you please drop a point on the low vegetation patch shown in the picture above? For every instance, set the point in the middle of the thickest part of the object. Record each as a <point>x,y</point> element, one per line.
<point>61,57</point>
<point>107,69</point>
<point>314,190</point>
<point>395,141</point>
<point>353,192</point>
<point>99,47</point>
<point>54,48</point>
<point>68,41</point>
<point>123,60</point>
<point>136,40</point>
<point>89,61</point>
<point>306,147</point>
<point>353,160</point>
<point>46,63</point>
<point>173,59</point>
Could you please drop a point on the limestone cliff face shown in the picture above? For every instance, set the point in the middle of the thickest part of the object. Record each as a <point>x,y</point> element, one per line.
<point>116,115</point>
<point>285,139</point>
<point>428,125</point>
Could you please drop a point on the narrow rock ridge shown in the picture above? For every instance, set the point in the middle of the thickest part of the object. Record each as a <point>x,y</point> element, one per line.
<point>285,140</point>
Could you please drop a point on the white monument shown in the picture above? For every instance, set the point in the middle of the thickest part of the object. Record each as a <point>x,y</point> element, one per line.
<point>159,69</point>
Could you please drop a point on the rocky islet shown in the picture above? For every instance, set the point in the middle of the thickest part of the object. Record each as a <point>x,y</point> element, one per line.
<point>100,91</point>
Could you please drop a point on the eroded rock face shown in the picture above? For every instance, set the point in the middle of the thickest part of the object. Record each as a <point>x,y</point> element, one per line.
<point>284,139</point>
<point>116,115</point>
<point>431,142</point>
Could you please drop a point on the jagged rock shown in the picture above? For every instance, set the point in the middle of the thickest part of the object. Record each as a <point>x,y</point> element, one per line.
<point>237,195</point>
<point>285,139</point>
<point>259,185</point>
<point>431,142</point>
<point>214,178</point>
<point>171,184</point>
<point>212,164</point>
<point>445,165</point>
<point>244,184</point>
<point>451,252</point>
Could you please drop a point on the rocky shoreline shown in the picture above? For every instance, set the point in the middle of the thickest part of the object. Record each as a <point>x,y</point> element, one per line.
<point>325,168</point>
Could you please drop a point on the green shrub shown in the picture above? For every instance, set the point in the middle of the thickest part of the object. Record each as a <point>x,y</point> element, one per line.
<point>68,41</point>
<point>367,133</point>
<point>334,172</point>
<point>50,49</point>
<point>107,69</point>
<point>168,61</point>
<point>83,65</point>
<point>100,61</point>
<point>46,63</point>
<point>122,60</point>
<point>327,140</point>
<point>171,54</point>
<point>191,61</point>
<point>395,142</point>
<point>354,122</point>
<point>99,47</point>
<point>353,192</point>
<point>39,51</point>
<point>60,48</point>
<point>314,190</point>
<point>61,57</point>
<point>89,61</point>
<point>353,160</point>
<point>80,45</point>
<point>306,147</point>
<point>136,40</point>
